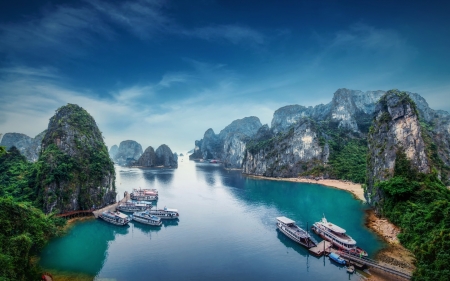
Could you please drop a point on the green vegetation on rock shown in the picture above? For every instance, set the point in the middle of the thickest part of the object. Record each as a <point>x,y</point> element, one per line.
<point>420,204</point>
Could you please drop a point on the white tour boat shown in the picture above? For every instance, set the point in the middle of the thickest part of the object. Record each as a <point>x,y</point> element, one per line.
<point>291,230</point>
<point>337,235</point>
<point>146,218</point>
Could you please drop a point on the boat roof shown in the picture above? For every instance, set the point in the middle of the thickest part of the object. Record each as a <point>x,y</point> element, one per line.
<point>123,216</point>
<point>285,220</point>
<point>333,227</point>
<point>171,210</point>
<point>334,255</point>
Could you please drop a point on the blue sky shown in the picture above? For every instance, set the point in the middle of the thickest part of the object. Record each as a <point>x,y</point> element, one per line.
<point>165,71</point>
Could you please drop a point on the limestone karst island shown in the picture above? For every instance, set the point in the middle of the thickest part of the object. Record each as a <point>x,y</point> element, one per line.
<point>224,140</point>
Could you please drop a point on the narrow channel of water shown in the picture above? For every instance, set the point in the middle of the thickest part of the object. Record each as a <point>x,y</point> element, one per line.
<point>226,230</point>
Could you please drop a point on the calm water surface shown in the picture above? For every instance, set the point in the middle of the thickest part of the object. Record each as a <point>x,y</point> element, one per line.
<point>226,230</point>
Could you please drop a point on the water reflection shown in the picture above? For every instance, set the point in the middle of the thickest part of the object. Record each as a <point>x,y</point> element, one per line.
<point>87,257</point>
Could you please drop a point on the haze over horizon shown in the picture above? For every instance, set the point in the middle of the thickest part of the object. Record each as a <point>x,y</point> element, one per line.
<point>165,71</point>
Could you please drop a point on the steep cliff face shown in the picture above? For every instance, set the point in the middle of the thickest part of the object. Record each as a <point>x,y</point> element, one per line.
<point>28,147</point>
<point>165,157</point>
<point>74,168</point>
<point>229,145</point>
<point>396,128</point>
<point>128,153</point>
<point>349,109</point>
<point>148,158</point>
<point>113,151</point>
<point>286,154</point>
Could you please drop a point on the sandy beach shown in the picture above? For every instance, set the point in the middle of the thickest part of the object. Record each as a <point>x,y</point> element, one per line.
<point>351,187</point>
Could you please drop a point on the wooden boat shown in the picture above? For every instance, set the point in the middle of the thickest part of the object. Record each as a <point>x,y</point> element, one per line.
<point>146,218</point>
<point>132,206</point>
<point>294,232</point>
<point>144,194</point>
<point>165,214</point>
<point>351,269</point>
<point>336,258</point>
<point>337,236</point>
<point>116,218</point>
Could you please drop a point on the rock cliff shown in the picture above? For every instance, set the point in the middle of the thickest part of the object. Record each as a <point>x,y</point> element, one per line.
<point>229,145</point>
<point>165,157</point>
<point>28,147</point>
<point>113,151</point>
<point>148,158</point>
<point>74,168</point>
<point>128,153</point>
<point>396,128</point>
<point>287,154</point>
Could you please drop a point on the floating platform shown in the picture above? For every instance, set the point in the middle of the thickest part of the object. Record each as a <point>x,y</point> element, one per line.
<point>323,248</point>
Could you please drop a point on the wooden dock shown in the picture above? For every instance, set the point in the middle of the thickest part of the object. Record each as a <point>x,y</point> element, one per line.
<point>375,264</point>
<point>112,207</point>
<point>322,248</point>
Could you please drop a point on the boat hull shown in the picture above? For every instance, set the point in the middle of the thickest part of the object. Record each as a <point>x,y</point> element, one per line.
<point>114,221</point>
<point>308,243</point>
<point>146,221</point>
<point>354,251</point>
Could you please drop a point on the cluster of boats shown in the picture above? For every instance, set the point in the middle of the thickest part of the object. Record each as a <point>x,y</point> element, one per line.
<point>142,210</point>
<point>325,229</point>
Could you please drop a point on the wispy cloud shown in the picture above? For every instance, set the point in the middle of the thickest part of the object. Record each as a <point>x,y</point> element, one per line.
<point>235,34</point>
<point>69,30</point>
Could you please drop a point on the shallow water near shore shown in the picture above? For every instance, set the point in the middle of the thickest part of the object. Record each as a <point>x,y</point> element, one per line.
<point>226,230</point>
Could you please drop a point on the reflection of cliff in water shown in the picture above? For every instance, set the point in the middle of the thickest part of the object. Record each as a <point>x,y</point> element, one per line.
<point>210,173</point>
<point>164,176</point>
<point>85,247</point>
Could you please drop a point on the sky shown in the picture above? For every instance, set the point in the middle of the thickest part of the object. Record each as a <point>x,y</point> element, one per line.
<point>159,71</point>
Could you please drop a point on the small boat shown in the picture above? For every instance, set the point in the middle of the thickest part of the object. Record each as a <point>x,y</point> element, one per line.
<point>146,218</point>
<point>144,194</point>
<point>336,258</point>
<point>165,214</point>
<point>337,235</point>
<point>116,218</point>
<point>351,269</point>
<point>291,230</point>
<point>133,206</point>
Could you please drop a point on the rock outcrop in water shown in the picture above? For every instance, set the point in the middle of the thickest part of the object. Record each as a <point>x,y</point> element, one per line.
<point>113,151</point>
<point>128,153</point>
<point>28,147</point>
<point>165,157</point>
<point>229,145</point>
<point>148,158</point>
<point>74,168</point>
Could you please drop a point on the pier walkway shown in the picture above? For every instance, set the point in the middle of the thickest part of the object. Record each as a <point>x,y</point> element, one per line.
<point>323,248</point>
<point>112,207</point>
<point>375,264</point>
<point>95,213</point>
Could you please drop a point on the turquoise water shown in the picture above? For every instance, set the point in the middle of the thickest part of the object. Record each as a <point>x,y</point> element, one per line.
<point>226,230</point>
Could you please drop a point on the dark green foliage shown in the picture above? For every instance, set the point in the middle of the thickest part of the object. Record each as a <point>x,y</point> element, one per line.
<point>17,176</point>
<point>24,231</point>
<point>420,204</point>
<point>348,162</point>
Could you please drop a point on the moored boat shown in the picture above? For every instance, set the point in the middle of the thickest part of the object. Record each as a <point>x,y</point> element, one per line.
<point>116,218</point>
<point>146,218</point>
<point>165,214</point>
<point>134,206</point>
<point>294,232</point>
<point>337,235</point>
<point>144,194</point>
<point>336,258</point>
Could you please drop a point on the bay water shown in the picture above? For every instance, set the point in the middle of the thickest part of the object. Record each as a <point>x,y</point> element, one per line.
<point>226,230</point>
